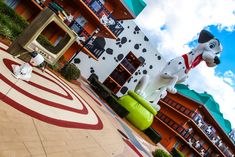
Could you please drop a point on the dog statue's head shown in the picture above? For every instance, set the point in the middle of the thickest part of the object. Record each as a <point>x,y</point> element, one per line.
<point>211,48</point>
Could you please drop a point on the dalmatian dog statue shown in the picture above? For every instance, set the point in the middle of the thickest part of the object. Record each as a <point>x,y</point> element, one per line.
<point>176,70</point>
<point>24,70</point>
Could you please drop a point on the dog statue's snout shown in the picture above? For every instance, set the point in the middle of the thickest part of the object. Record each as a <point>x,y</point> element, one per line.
<point>216,60</point>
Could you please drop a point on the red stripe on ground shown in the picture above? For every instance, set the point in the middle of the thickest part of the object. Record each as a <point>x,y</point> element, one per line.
<point>8,64</point>
<point>132,147</point>
<point>46,119</point>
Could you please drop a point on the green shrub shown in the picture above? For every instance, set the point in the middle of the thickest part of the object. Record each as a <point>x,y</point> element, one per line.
<point>12,24</point>
<point>160,153</point>
<point>70,72</point>
<point>177,153</point>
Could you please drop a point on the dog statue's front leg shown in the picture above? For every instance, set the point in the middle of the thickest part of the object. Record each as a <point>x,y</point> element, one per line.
<point>173,80</point>
<point>142,84</point>
<point>171,87</point>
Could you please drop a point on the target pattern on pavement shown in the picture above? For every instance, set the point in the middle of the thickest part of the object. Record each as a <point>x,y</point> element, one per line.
<point>46,97</point>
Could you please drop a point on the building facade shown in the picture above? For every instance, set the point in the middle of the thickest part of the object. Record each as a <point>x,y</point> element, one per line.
<point>85,17</point>
<point>124,60</point>
<point>193,125</point>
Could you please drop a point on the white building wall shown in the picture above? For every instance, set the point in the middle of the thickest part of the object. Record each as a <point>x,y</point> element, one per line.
<point>131,39</point>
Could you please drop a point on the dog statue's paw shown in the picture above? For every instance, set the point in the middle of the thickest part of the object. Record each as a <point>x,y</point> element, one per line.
<point>172,90</point>
<point>163,94</point>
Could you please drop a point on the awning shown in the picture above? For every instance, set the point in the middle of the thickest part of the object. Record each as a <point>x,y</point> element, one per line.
<point>136,6</point>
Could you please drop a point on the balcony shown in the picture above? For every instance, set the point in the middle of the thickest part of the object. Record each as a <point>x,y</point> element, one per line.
<point>95,49</point>
<point>182,133</point>
<point>99,10</point>
<point>87,46</point>
<point>193,124</point>
<point>187,136</point>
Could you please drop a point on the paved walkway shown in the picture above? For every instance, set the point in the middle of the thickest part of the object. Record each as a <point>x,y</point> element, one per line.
<point>49,117</point>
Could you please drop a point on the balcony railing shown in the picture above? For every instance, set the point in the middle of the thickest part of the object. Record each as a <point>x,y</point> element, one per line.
<point>180,107</point>
<point>186,134</point>
<point>99,10</point>
<point>194,116</point>
<point>96,51</point>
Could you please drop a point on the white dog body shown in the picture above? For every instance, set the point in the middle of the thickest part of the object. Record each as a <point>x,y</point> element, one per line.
<point>176,70</point>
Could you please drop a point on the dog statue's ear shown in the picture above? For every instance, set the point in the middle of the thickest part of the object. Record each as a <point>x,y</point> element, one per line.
<point>205,36</point>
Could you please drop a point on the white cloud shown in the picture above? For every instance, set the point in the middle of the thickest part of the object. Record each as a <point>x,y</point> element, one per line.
<point>182,21</point>
<point>229,78</point>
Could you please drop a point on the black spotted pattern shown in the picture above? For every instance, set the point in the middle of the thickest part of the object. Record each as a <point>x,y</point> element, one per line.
<point>92,70</point>
<point>145,38</point>
<point>121,41</point>
<point>144,50</point>
<point>136,30</point>
<point>120,57</point>
<point>77,61</point>
<point>109,51</point>
<point>124,90</point>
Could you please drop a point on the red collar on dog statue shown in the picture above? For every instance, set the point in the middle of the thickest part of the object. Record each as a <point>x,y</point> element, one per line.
<point>195,62</point>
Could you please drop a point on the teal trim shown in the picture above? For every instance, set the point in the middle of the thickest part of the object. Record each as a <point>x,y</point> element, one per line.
<point>136,6</point>
<point>208,101</point>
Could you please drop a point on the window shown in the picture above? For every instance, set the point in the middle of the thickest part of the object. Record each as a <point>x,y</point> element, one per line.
<point>171,123</point>
<point>178,106</point>
<point>96,6</point>
<point>81,21</point>
<point>123,72</point>
<point>76,27</point>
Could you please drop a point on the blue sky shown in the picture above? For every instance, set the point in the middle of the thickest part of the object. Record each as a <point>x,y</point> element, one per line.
<point>227,57</point>
<point>173,26</point>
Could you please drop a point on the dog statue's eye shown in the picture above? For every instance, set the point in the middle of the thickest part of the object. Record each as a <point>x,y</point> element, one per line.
<point>212,45</point>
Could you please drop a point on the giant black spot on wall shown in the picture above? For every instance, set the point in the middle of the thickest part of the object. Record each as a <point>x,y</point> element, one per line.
<point>76,60</point>
<point>124,90</point>
<point>123,40</point>
<point>145,38</point>
<point>137,28</point>
<point>159,57</point>
<point>135,80</point>
<point>150,67</point>
<point>120,56</point>
<point>144,71</point>
<point>109,51</point>
<point>144,50</point>
<point>136,46</point>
